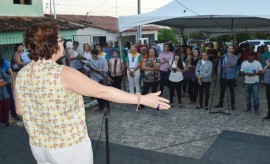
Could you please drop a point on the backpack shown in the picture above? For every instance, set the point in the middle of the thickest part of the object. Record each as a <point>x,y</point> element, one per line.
<point>14,66</point>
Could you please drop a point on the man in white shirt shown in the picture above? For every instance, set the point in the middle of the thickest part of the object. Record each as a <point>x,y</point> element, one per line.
<point>252,69</point>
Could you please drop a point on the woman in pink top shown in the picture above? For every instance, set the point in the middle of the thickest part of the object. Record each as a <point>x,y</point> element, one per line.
<point>116,68</point>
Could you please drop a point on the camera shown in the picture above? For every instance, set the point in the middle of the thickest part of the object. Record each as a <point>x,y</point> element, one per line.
<point>174,70</point>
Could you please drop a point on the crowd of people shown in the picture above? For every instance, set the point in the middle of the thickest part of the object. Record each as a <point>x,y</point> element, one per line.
<point>187,69</point>
<point>45,85</point>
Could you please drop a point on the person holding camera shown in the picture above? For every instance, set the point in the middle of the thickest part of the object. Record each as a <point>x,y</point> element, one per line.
<point>176,77</point>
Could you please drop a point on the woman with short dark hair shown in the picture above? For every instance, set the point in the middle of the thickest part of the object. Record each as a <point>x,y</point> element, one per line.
<point>48,96</point>
<point>203,73</point>
<point>151,76</point>
<point>16,61</point>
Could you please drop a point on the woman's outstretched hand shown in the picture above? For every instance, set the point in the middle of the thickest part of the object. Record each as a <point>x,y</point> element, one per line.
<point>153,100</point>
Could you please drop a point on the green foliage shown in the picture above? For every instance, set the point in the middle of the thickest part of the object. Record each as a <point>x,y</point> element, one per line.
<point>240,37</point>
<point>198,36</point>
<point>166,34</point>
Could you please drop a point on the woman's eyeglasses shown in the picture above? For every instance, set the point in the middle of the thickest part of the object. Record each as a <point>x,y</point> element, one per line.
<point>62,40</point>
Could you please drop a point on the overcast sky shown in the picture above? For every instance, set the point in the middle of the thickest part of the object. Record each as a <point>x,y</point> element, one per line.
<point>103,7</point>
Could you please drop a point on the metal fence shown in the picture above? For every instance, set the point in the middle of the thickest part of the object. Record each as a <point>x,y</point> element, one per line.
<point>7,44</point>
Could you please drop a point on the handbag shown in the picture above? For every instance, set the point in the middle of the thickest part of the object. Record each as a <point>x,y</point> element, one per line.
<point>14,66</point>
<point>189,74</point>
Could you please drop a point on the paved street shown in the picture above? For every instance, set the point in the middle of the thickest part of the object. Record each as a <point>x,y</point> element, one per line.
<point>150,129</point>
<point>186,134</point>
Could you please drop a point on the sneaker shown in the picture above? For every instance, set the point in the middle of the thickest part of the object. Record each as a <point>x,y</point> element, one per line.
<point>233,107</point>
<point>2,124</point>
<point>180,105</point>
<point>17,118</point>
<point>206,108</point>
<point>192,102</point>
<point>140,107</point>
<point>247,110</point>
<point>219,106</point>
<point>19,123</point>
<point>266,118</point>
<point>199,107</point>
<point>257,113</point>
<point>171,104</point>
<point>100,109</point>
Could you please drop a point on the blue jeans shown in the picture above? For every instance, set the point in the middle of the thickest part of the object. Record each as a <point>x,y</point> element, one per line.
<point>252,89</point>
<point>164,76</point>
<point>12,103</point>
<point>237,70</point>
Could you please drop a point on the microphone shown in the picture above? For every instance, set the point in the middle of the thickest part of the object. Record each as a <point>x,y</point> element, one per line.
<point>88,65</point>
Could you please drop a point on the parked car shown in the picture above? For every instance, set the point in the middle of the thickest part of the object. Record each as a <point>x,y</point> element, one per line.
<point>257,43</point>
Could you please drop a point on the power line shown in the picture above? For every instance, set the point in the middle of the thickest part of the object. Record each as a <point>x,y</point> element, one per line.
<point>100,5</point>
<point>105,11</point>
<point>108,7</point>
<point>199,14</point>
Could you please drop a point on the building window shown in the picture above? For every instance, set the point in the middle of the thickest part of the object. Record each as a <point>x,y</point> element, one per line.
<point>22,2</point>
<point>128,38</point>
<point>151,37</point>
<point>99,40</point>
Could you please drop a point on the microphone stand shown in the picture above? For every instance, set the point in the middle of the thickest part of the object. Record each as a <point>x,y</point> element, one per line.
<point>223,68</point>
<point>106,112</point>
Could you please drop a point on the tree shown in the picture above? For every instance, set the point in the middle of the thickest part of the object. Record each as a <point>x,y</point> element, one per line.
<point>166,34</point>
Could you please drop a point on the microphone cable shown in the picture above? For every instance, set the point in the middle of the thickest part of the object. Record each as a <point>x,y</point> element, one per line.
<point>181,143</point>
<point>100,133</point>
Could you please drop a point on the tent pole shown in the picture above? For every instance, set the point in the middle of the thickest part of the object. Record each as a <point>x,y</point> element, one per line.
<point>121,56</point>
<point>139,29</point>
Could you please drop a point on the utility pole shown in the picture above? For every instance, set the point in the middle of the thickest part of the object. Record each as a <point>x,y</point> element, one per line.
<point>54,9</point>
<point>50,7</point>
<point>139,29</point>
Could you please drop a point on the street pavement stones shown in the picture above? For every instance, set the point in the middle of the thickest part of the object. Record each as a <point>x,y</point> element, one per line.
<point>182,131</point>
<point>174,130</point>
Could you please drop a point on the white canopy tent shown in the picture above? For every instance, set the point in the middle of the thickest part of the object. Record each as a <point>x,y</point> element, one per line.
<point>207,16</point>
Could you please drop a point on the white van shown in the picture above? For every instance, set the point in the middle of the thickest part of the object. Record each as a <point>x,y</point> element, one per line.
<point>257,43</point>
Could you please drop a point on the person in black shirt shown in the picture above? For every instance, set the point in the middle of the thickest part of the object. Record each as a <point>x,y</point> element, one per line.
<point>192,82</point>
<point>239,52</point>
